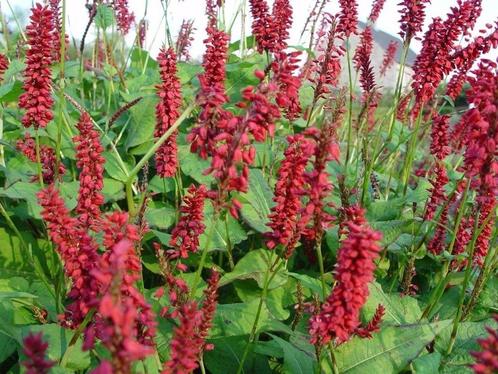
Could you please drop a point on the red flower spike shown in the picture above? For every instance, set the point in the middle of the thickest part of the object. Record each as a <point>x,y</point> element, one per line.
<point>487,224</point>
<point>124,318</point>
<point>185,235</point>
<point>184,40</point>
<point>376,9</point>
<point>440,137</point>
<point>167,113</point>
<point>37,98</point>
<point>364,48</point>
<point>389,56</point>
<point>373,325</point>
<point>438,243</point>
<point>262,25</point>
<point>281,24</point>
<point>433,62</point>
<point>285,221</point>
<point>438,180</point>
<point>4,64</point>
<point>212,95</point>
<point>412,18</point>
<point>47,158</point>
<point>34,348</point>
<point>339,316</point>
<point>209,306</point>
<point>76,249</point>
<point>487,358</point>
<point>186,344</point>
<point>348,17</point>
<point>124,18</point>
<point>55,6</point>
<point>90,161</point>
<point>287,98</point>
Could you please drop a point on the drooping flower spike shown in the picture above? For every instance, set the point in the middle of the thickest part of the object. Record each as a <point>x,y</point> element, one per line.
<point>35,348</point>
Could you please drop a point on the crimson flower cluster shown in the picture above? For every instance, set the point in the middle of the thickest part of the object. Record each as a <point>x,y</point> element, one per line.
<point>287,96</point>
<point>487,358</point>
<point>124,17</point>
<point>464,59</point>
<point>348,17</point>
<point>376,9</point>
<point>77,250</point>
<point>91,164</point>
<point>55,6</point>
<point>34,348</point>
<point>285,219</point>
<point>481,141</point>
<point>389,56</point>
<point>48,159</point>
<point>4,64</point>
<point>185,235</point>
<point>412,18</point>
<point>125,323</point>
<point>167,113</point>
<point>37,98</point>
<point>271,30</point>
<point>365,47</point>
<point>184,40</point>
<point>433,62</point>
<point>212,95</point>
<point>189,337</point>
<point>339,316</point>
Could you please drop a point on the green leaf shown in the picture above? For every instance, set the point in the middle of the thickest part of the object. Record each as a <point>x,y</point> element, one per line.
<point>227,230</point>
<point>254,265</point>
<point>257,202</point>
<point>389,351</point>
<point>238,319</point>
<point>465,342</point>
<point>227,354</point>
<point>160,215</point>
<point>399,309</point>
<point>427,364</point>
<point>10,92</point>
<point>104,17</point>
<point>296,361</point>
<point>7,347</point>
<point>193,166</point>
<point>384,210</point>
<point>143,122</point>
<point>391,230</point>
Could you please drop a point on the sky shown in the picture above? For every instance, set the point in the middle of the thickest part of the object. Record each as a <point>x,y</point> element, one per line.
<point>194,9</point>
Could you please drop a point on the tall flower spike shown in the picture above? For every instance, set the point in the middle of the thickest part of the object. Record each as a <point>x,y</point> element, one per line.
<point>339,317</point>
<point>185,235</point>
<point>34,348</point>
<point>281,24</point>
<point>412,18</point>
<point>376,9</point>
<point>55,6</point>
<point>184,40</point>
<point>348,17</point>
<point>487,358</point>
<point>118,325</point>
<point>186,344</point>
<point>90,161</point>
<point>4,64</point>
<point>433,62</point>
<point>124,18</point>
<point>167,113</point>
<point>212,96</point>
<point>389,56</point>
<point>37,98</point>
<point>262,27</point>
<point>373,325</point>
<point>287,98</point>
<point>76,249</point>
<point>285,221</point>
<point>47,158</point>
<point>364,48</point>
<point>209,306</point>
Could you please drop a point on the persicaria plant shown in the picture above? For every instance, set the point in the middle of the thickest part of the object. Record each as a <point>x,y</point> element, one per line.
<point>262,205</point>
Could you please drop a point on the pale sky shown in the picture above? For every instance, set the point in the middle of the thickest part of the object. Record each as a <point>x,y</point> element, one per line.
<point>77,17</point>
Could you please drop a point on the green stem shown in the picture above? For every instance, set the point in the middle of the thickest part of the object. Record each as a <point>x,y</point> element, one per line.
<point>350,108</point>
<point>407,165</point>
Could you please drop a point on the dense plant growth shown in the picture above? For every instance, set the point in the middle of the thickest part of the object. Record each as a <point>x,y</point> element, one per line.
<point>254,213</point>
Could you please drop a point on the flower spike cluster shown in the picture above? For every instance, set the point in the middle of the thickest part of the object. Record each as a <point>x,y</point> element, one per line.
<point>412,18</point>
<point>77,250</point>
<point>339,316</point>
<point>37,98</point>
<point>34,348</point>
<point>348,17</point>
<point>4,64</point>
<point>185,235</point>
<point>212,96</point>
<point>377,7</point>
<point>389,56</point>
<point>124,17</point>
<point>184,40</point>
<point>91,162</point>
<point>289,84</point>
<point>286,222</point>
<point>167,113</point>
